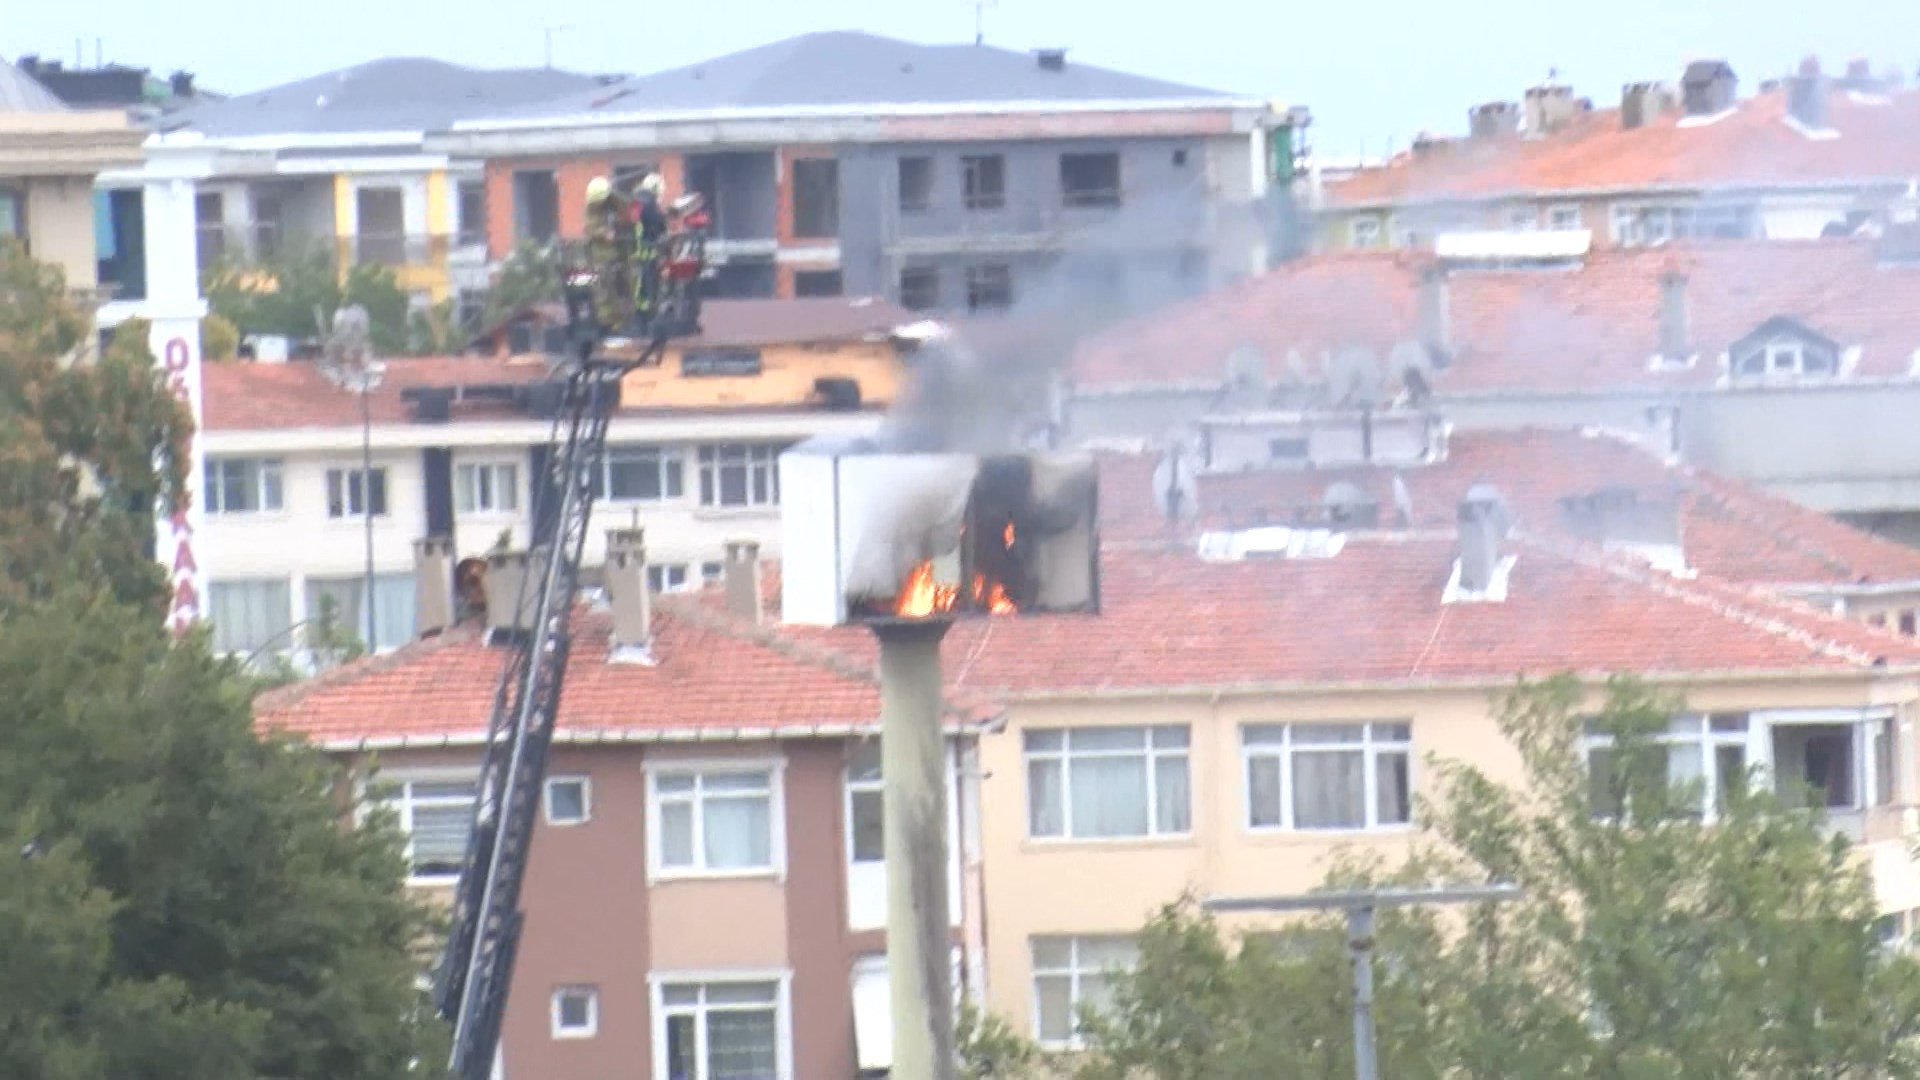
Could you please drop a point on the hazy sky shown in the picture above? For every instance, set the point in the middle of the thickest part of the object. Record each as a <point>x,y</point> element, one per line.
<point>1370,71</point>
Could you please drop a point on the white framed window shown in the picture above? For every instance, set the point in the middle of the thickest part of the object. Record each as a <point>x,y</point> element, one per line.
<point>575,1012</point>
<point>711,572</point>
<point>486,488</point>
<point>866,805</point>
<point>1704,749</point>
<point>1523,218</point>
<point>1563,217</point>
<point>731,1028</point>
<point>1327,776</point>
<point>242,485</point>
<point>249,616</point>
<point>350,493</point>
<point>1786,357</point>
<point>739,474</point>
<point>394,596</point>
<point>435,812</point>
<point>643,474</point>
<point>569,800</point>
<point>715,820</point>
<point>1071,974</point>
<point>667,577</point>
<point>1363,231</point>
<point>1106,782</point>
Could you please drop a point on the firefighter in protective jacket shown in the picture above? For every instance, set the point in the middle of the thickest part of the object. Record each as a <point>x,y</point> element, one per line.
<point>651,219</point>
<point>610,251</point>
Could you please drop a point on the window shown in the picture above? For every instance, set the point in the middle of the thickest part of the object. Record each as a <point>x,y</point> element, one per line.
<point>1071,974</point>
<point>536,205</point>
<point>1705,750</point>
<point>1635,225</point>
<point>1180,158</point>
<point>1523,219</point>
<point>394,596</point>
<point>866,805</point>
<point>1327,776</point>
<point>1883,751</point>
<point>1363,232</point>
<point>436,815</point>
<point>381,232</point>
<point>920,288</point>
<point>989,288</point>
<point>715,820</point>
<point>817,283</point>
<point>1288,448</point>
<point>722,1031</point>
<point>1907,623</point>
<point>816,198</point>
<point>576,1012</point>
<point>711,572</point>
<point>739,474</point>
<point>569,800</point>
<point>248,616</point>
<point>916,184</point>
<point>13,214</point>
<point>242,485</point>
<point>210,228</point>
<point>1090,179</point>
<point>347,496</point>
<point>983,181</point>
<point>1821,765</point>
<point>643,474</point>
<point>1090,783</point>
<point>666,577</point>
<point>1563,217</point>
<point>487,488</point>
<point>1788,357</point>
<point>471,225</point>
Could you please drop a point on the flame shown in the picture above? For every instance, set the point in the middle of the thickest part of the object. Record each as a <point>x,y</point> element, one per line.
<point>1008,533</point>
<point>922,596</point>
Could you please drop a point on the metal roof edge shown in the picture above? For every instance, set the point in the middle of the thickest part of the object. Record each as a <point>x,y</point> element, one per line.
<point>635,736</point>
<point>1219,691</point>
<point>867,111</point>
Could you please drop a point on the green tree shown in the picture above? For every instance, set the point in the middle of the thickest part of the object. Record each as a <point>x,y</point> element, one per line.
<point>281,295</point>
<point>1650,941</point>
<point>530,274</point>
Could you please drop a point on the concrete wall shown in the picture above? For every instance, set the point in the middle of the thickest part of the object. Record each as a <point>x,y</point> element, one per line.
<point>787,374</point>
<point>59,214</point>
<point>1040,887</point>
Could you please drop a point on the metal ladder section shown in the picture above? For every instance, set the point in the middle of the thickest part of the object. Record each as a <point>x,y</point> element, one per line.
<point>476,969</point>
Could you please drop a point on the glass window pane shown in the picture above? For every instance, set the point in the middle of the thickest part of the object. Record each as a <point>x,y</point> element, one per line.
<point>683,1047</point>
<point>1172,810</point>
<point>1397,733</point>
<point>1730,771</point>
<point>1170,736</point>
<point>869,839</point>
<point>742,781</point>
<point>746,993</point>
<point>738,833</point>
<point>1329,734</point>
<point>1263,734</point>
<point>1729,721</point>
<point>1103,953</point>
<point>1044,740</point>
<point>1109,796</point>
<point>864,763</point>
<point>1099,739</point>
<point>676,835</point>
<point>440,838</point>
<point>680,995</point>
<point>1053,995</point>
<point>1263,792</point>
<point>741,1045</point>
<point>674,783</point>
<point>1393,792</point>
<point>1329,790</point>
<point>449,789</point>
<point>1052,953</point>
<point>567,800</point>
<point>1603,783</point>
<point>1046,809</point>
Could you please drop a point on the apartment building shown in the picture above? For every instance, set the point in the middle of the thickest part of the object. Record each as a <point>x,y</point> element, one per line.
<point>947,178</point>
<point>459,448</point>
<point>1809,154</point>
<point>1787,364</point>
<point>706,895</point>
<point>335,162</point>
<point>49,156</point>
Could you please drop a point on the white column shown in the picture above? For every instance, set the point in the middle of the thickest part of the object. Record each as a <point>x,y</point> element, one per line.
<point>173,309</point>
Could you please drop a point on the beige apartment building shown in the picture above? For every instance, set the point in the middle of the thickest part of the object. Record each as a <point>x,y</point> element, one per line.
<point>49,156</point>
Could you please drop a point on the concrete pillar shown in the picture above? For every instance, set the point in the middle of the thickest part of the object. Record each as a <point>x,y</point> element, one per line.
<point>432,585</point>
<point>173,309</point>
<point>919,928</point>
<point>625,577</point>
<point>741,574</point>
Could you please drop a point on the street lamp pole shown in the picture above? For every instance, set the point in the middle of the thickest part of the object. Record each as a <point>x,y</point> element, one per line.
<point>366,497</point>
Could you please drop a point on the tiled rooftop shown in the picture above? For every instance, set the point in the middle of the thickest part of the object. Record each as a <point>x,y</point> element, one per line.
<point>1591,327</point>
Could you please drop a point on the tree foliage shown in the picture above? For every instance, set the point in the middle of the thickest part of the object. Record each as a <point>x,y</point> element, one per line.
<point>530,274</point>
<point>91,447</point>
<point>1647,944</point>
<point>280,296</point>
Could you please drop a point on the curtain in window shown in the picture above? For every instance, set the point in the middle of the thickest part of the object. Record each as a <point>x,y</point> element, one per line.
<point>247,615</point>
<point>739,832</point>
<point>393,606</point>
<point>440,838</point>
<point>1109,796</point>
<point>1263,792</point>
<point>1046,809</point>
<point>1329,790</point>
<point>1393,789</point>
<point>1173,808</point>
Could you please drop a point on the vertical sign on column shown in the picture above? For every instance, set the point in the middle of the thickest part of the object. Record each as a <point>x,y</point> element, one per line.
<point>178,343</point>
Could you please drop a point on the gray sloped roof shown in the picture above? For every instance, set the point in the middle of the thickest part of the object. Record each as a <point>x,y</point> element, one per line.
<point>21,92</point>
<point>846,68</point>
<point>398,94</point>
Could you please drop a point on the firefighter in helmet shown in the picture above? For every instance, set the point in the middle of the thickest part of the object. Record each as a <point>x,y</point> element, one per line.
<point>651,219</point>
<point>610,251</point>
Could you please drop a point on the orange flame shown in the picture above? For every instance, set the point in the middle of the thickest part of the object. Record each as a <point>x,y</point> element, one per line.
<point>922,596</point>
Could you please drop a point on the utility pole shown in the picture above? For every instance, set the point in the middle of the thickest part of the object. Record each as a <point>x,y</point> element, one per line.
<point>366,498</point>
<point>1359,906</point>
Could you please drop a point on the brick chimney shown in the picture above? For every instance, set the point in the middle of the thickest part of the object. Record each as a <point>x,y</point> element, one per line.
<point>1484,522</point>
<point>1435,318</point>
<point>1676,332</point>
<point>625,579</point>
<point>1641,102</point>
<point>742,576</point>
<point>432,585</point>
<point>1494,120</point>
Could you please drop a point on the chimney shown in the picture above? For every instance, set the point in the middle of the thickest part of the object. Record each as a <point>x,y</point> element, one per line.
<point>181,84</point>
<point>1708,87</point>
<point>1807,96</point>
<point>1664,422</point>
<point>1051,59</point>
<point>506,571</point>
<point>1676,337</point>
<point>1550,108</point>
<point>1435,320</point>
<point>742,577</point>
<point>432,585</point>
<point>1860,74</point>
<point>1494,120</point>
<point>1641,102</point>
<point>625,579</point>
<point>1483,525</point>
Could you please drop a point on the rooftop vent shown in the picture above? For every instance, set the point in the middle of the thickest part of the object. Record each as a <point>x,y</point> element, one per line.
<point>1708,87</point>
<point>1495,119</point>
<point>1641,102</point>
<point>1550,107</point>
<point>1051,59</point>
<point>1480,572</point>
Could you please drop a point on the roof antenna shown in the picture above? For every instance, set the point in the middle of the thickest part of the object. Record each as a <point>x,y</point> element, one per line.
<point>980,19</point>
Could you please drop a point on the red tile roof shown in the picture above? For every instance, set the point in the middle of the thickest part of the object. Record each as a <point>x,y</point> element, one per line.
<point>1370,614</point>
<point>814,320</point>
<point>1729,529</point>
<point>244,396</point>
<point>1752,145</point>
<point>714,676</point>
<point>1543,330</point>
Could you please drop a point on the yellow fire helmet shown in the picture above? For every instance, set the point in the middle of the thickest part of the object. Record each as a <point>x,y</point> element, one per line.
<point>598,189</point>
<point>653,184</point>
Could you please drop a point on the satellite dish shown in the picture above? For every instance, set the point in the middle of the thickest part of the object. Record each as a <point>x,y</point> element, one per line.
<point>1411,361</point>
<point>1354,379</point>
<point>1175,486</point>
<point>1402,500</point>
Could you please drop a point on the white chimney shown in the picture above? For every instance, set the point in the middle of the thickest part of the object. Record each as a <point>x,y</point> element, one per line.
<point>742,577</point>
<point>506,571</point>
<point>625,579</point>
<point>1480,571</point>
<point>432,585</point>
